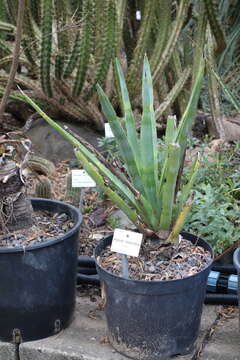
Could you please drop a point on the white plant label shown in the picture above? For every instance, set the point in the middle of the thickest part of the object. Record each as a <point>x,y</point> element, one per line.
<point>126,242</point>
<point>108,131</point>
<point>138,15</point>
<point>81,179</point>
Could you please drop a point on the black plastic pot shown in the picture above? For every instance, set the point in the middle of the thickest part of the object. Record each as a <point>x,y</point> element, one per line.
<point>236,260</point>
<point>37,284</point>
<point>153,320</point>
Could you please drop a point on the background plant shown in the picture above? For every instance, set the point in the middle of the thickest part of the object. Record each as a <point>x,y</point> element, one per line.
<point>214,214</point>
<point>68,46</point>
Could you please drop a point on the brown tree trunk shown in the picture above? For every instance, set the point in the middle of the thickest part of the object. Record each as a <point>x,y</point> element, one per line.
<point>15,209</point>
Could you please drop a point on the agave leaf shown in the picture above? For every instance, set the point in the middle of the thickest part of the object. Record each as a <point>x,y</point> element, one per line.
<point>91,157</point>
<point>168,190</point>
<point>121,138</point>
<point>173,236</point>
<point>128,115</point>
<point>148,138</point>
<point>171,129</point>
<point>187,119</point>
<point>139,203</point>
<point>93,172</point>
<point>186,190</point>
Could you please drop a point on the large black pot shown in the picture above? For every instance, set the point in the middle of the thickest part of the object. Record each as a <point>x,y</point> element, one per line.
<point>37,284</point>
<point>153,320</point>
<point>236,260</point>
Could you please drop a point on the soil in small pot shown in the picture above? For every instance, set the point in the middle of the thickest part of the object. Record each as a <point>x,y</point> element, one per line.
<point>186,259</point>
<point>46,226</point>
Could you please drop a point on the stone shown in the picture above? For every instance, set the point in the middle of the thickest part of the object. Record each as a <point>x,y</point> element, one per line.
<point>86,338</point>
<point>7,351</point>
<point>225,342</point>
<point>49,144</point>
<point>124,221</point>
<point>81,341</point>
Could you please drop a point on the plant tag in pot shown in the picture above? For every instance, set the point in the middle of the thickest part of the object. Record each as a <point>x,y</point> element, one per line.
<point>108,131</point>
<point>126,242</point>
<point>80,178</point>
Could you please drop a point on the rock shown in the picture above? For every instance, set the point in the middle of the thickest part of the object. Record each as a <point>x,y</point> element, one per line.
<point>7,351</point>
<point>231,126</point>
<point>51,145</point>
<point>124,221</point>
<point>225,342</point>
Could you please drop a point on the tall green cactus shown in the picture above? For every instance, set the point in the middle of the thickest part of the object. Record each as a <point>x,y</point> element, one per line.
<point>29,43</point>
<point>78,39</point>
<point>141,46</point>
<point>216,27</point>
<point>88,9</point>
<point>46,47</point>
<point>163,17</point>
<point>108,42</point>
<point>61,10</point>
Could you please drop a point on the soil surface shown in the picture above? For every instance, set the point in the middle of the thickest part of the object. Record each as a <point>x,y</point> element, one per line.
<point>186,259</point>
<point>46,226</point>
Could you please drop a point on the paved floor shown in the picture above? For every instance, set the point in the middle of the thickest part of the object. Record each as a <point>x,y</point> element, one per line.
<point>86,338</point>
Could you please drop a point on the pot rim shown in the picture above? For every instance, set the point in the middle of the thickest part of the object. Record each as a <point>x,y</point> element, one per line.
<point>53,240</point>
<point>113,276</point>
<point>236,259</point>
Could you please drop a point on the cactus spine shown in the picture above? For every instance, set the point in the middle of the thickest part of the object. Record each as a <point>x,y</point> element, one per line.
<point>43,188</point>
<point>72,193</point>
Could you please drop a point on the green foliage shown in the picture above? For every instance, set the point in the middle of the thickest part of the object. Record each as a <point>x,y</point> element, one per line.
<point>227,63</point>
<point>46,47</point>
<point>147,194</point>
<point>68,47</point>
<point>214,217</point>
<point>109,148</point>
<point>72,193</point>
<point>114,222</point>
<point>85,47</point>
<point>43,188</point>
<point>215,212</point>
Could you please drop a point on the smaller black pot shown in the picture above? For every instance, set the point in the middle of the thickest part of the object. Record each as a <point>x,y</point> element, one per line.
<point>236,260</point>
<point>153,320</point>
<point>38,283</point>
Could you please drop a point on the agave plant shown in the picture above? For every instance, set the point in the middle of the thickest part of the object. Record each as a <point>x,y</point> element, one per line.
<point>151,193</point>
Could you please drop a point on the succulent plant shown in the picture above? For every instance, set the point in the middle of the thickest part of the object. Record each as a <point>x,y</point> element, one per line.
<point>43,188</point>
<point>151,194</point>
<point>72,193</point>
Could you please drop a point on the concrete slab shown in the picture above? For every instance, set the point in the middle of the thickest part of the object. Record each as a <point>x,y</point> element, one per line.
<point>7,351</point>
<point>81,341</point>
<point>225,342</point>
<point>86,338</point>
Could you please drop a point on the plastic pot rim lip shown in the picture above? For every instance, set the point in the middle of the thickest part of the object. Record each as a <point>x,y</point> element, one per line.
<point>236,259</point>
<point>53,240</point>
<point>114,276</point>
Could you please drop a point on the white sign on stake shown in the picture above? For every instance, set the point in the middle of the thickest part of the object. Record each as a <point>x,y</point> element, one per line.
<point>126,242</point>
<point>108,131</point>
<point>81,179</point>
<point>138,15</point>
